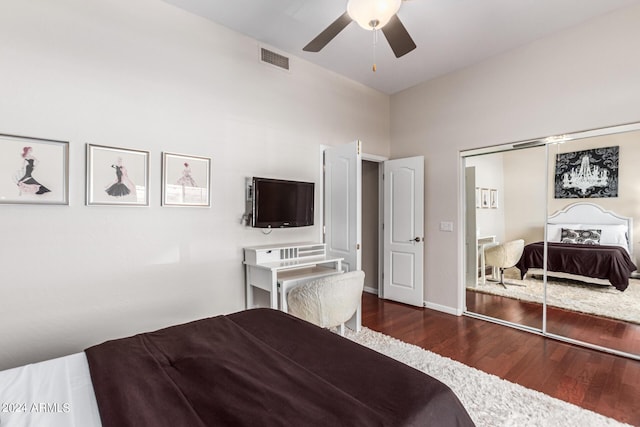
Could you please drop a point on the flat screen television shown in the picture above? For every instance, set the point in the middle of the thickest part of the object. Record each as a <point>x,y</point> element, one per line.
<point>279,203</point>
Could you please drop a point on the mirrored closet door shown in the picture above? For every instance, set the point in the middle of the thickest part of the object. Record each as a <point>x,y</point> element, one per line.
<point>505,210</point>
<point>567,207</point>
<point>593,204</point>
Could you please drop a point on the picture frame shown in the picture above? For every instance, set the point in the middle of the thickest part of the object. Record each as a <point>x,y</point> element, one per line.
<point>484,198</point>
<point>34,170</point>
<point>478,197</point>
<point>186,180</point>
<point>117,176</point>
<point>587,174</point>
<point>493,198</point>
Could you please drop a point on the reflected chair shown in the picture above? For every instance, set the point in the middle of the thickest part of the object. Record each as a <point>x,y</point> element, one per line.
<point>329,301</point>
<point>504,255</point>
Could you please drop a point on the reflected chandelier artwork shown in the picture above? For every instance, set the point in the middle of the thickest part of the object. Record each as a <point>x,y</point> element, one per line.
<point>587,174</point>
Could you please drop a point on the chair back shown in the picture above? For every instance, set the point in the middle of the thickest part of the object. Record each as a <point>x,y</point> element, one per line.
<point>504,255</point>
<point>329,301</point>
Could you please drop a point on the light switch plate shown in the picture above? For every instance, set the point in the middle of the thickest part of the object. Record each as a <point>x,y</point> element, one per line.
<point>446,226</point>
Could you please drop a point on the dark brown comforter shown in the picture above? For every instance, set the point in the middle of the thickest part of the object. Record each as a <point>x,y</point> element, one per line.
<point>261,367</point>
<point>598,261</point>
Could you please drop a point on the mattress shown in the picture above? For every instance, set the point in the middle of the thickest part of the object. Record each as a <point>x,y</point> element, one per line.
<point>53,393</point>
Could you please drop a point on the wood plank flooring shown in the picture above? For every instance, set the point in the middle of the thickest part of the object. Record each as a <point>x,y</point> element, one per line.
<point>601,382</point>
<point>611,333</point>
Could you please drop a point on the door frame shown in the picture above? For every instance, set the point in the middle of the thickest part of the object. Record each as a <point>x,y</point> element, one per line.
<point>380,161</point>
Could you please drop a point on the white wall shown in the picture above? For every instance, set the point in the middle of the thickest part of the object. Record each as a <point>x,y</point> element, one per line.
<point>583,78</point>
<point>524,194</point>
<point>148,76</point>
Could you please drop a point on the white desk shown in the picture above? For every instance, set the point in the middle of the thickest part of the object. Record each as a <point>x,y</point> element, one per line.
<point>276,268</point>
<point>483,242</point>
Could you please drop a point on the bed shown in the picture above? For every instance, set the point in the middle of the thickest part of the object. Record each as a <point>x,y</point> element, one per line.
<point>585,243</point>
<point>257,367</point>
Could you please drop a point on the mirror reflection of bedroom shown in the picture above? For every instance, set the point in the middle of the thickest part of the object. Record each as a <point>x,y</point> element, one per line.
<point>582,191</point>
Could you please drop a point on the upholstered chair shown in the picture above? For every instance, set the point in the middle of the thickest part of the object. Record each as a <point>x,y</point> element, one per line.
<point>329,301</point>
<point>504,255</point>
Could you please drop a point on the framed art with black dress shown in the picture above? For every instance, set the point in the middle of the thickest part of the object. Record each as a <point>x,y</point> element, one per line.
<point>117,176</point>
<point>33,170</point>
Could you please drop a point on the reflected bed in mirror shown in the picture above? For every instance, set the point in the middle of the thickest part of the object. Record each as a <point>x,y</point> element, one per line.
<point>585,243</point>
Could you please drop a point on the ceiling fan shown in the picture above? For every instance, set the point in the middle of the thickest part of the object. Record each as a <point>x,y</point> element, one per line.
<point>371,15</point>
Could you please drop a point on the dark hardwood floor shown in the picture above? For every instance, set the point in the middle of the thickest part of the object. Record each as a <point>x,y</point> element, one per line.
<point>601,382</point>
<point>610,333</point>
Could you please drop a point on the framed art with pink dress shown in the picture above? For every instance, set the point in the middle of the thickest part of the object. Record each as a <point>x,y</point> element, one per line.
<point>117,176</point>
<point>33,170</point>
<point>185,180</point>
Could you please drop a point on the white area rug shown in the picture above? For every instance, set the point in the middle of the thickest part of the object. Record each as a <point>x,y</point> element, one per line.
<point>489,400</point>
<point>604,301</point>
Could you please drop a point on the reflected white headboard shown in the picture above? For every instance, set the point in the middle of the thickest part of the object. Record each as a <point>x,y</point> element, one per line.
<point>592,214</point>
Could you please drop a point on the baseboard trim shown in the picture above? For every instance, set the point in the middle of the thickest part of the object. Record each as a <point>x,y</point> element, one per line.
<point>429,305</point>
<point>370,290</point>
<point>443,308</point>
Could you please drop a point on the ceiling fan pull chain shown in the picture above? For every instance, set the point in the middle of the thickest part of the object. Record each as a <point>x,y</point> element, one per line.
<point>375,41</point>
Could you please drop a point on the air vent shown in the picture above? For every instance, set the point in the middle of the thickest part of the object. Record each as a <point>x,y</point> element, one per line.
<point>274,58</point>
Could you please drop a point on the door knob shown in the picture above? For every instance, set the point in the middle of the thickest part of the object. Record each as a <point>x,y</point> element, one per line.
<point>417,239</point>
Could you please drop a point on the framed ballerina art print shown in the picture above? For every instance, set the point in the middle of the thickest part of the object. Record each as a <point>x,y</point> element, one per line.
<point>117,176</point>
<point>33,171</point>
<point>185,180</point>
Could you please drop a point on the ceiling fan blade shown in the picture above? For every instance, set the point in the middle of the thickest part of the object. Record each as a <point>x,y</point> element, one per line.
<point>328,34</point>
<point>398,37</point>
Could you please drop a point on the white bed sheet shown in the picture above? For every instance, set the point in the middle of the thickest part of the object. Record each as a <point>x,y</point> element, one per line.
<point>53,393</point>
<point>561,275</point>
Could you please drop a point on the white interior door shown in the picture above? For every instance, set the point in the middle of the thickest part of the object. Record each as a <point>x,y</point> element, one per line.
<point>343,203</point>
<point>404,230</point>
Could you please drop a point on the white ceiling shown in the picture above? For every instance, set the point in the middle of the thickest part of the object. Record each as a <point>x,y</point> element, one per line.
<point>450,34</point>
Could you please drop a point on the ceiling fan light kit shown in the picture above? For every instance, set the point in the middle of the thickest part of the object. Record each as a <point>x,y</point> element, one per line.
<point>372,14</point>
